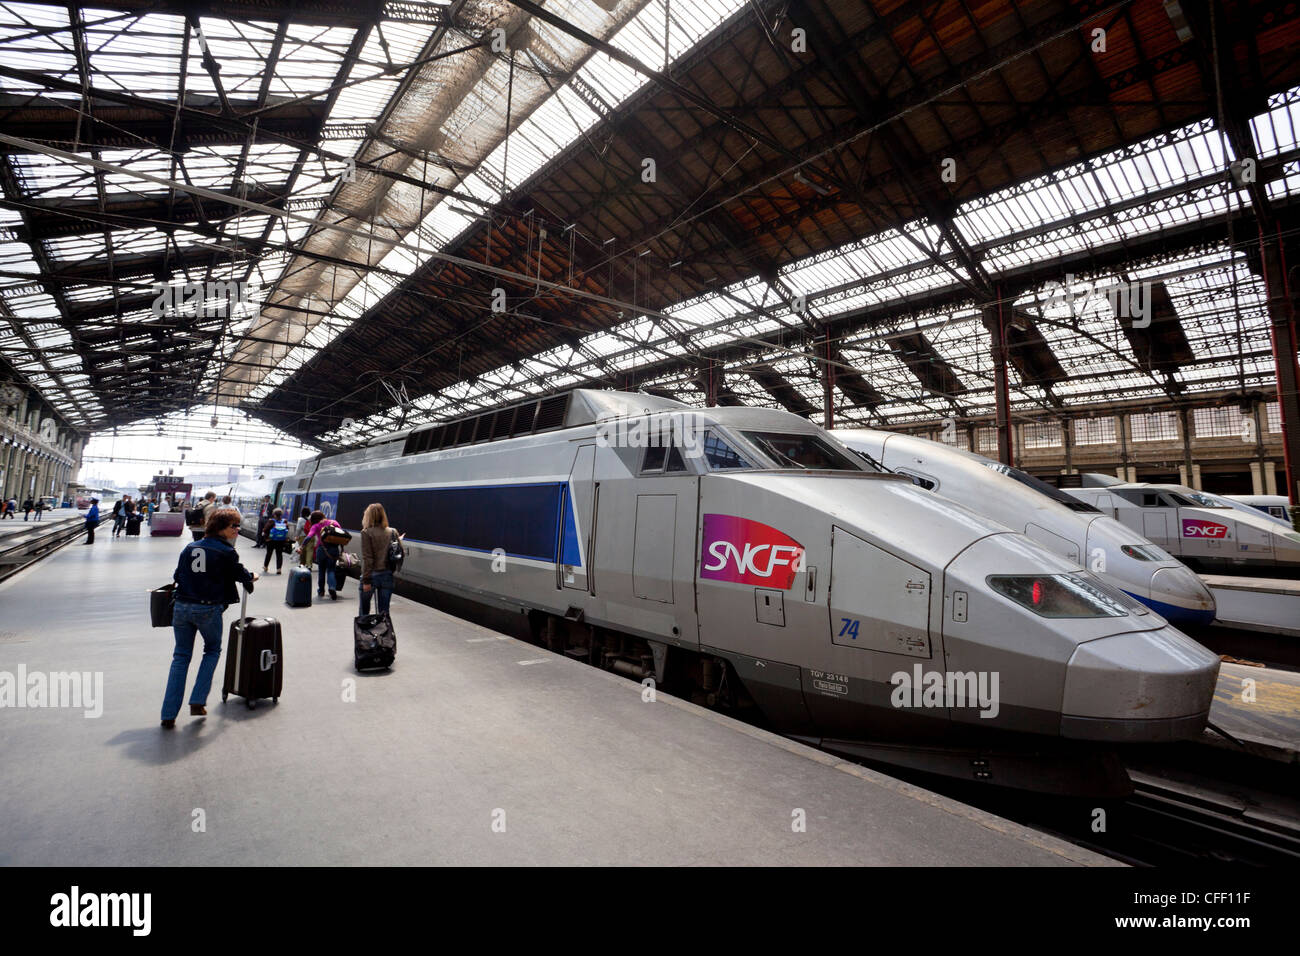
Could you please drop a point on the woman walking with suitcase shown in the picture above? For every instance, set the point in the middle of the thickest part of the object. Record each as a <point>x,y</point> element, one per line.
<point>206,575</point>
<point>377,538</point>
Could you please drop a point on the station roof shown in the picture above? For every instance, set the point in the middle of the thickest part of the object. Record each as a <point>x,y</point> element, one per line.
<point>717,196</point>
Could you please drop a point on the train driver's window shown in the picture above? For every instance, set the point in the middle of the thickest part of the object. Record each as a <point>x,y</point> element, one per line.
<point>720,455</point>
<point>676,464</point>
<point>654,459</point>
<point>1150,500</point>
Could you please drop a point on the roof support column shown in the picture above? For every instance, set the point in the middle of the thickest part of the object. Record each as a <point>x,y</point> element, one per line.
<point>828,383</point>
<point>1281,313</point>
<point>994,320</point>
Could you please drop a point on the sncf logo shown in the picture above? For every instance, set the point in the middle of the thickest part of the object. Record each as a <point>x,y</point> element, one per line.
<point>1194,528</point>
<point>748,552</point>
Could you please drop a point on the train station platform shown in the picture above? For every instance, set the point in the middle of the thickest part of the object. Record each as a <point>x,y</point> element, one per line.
<point>1266,605</point>
<point>1260,707</point>
<point>17,526</point>
<point>475,749</point>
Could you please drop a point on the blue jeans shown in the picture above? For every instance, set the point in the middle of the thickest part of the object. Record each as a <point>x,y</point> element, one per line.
<point>188,618</point>
<point>381,585</point>
<point>326,563</point>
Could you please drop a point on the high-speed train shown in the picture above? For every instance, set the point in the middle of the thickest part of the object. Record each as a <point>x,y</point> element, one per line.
<point>1205,536</point>
<point>1060,523</point>
<point>1275,506</point>
<point>742,556</point>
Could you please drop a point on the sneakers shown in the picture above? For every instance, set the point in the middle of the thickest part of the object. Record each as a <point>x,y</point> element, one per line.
<point>169,724</point>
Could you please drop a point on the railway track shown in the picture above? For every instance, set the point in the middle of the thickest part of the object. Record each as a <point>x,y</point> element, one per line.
<point>1196,825</point>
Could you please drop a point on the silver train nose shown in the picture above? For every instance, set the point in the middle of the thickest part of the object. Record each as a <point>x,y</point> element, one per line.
<point>1189,600</point>
<point>1145,686</point>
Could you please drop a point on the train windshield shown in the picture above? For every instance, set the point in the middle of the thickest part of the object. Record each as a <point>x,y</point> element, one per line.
<point>1042,487</point>
<point>1202,499</point>
<point>808,452</point>
<point>721,456</point>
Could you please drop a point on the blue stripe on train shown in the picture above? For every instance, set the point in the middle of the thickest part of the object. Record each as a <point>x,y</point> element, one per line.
<point>1173,613</point>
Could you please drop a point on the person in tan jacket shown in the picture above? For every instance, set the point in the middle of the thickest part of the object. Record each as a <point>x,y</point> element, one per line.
<point>376,575</point>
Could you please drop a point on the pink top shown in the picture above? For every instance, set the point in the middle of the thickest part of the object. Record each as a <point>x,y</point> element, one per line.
<point>311,530</point>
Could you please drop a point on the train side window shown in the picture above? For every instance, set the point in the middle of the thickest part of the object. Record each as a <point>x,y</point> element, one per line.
<point>676,464</point>
<point>654,459</point>
<point>1153,501</point>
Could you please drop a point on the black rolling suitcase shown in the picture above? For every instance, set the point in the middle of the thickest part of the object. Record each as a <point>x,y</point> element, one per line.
<point>133,523</point>
<point>254,658</point>
<point>298,591</point>
<point>374,642</point>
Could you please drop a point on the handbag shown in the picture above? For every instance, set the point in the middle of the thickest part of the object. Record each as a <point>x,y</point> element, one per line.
<point>162,601</point>
<point>396,553</point>
<point>335,536</point>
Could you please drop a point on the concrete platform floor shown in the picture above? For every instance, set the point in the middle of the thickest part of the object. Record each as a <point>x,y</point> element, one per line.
<point>469,729</point>
<point>1260,707</point>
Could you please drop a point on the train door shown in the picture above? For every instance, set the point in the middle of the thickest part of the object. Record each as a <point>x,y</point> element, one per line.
<point>275,497</point>
<point>578,513</point>
<point>1155,526</point>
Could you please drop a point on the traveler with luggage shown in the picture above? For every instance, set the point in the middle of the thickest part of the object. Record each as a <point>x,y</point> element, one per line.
<point>206,576</point>
<point>327,554</point>
<point>92,519</point>
<point>10,507</point>
<point>275,532</point>
<point>199,515</point>
<point>379,558</point>
<point>263,514</point>
<point>119,515</point>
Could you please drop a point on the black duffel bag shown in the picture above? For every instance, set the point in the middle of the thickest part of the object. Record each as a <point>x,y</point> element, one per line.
<point>161,603</point>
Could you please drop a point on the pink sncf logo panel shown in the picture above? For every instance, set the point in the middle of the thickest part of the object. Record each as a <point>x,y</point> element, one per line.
<point>748,552</point>
<point>1196,528</point>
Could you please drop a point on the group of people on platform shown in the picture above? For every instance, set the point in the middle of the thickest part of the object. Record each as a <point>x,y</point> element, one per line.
<point>9,508</point>
<point>204,589</point>
<point>125,510</point>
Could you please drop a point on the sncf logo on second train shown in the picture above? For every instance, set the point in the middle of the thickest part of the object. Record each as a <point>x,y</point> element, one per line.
<point>748,552</point>
<point>1194,528</point>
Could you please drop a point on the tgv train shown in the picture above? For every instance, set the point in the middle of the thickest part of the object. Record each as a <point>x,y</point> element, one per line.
<point>1275,506</point>
<point>743,557</point>
<point>1063,525</point>
<point>1206,536</point>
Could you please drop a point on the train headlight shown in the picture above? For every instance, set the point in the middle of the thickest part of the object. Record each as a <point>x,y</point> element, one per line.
<point>1060,595</point>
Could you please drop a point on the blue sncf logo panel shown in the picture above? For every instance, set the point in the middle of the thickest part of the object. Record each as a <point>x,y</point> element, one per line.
<point>526,520</point>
